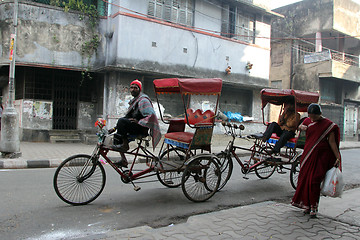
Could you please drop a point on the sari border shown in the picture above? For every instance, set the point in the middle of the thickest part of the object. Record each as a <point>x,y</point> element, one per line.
<point>317,142</point>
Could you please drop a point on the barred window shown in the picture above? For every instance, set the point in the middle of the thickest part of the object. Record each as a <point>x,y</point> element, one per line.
<point>237,24</point>
<point>176,11</point>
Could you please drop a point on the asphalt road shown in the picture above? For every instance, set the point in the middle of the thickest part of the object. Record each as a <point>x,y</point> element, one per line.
<point>30,209</point>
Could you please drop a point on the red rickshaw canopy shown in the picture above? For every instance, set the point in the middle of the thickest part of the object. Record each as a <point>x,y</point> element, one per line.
<point>280,96</point>
<point>198,86</point>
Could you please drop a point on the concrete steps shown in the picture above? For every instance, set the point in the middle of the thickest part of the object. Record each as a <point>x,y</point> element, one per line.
<point>64,136</point>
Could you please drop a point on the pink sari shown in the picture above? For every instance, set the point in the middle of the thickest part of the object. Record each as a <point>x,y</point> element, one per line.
<point>316,160</point>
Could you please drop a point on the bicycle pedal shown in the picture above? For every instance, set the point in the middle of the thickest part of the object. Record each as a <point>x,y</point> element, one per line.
<point>281,172</point>
<point>245,178</point>
<point>137,188</point>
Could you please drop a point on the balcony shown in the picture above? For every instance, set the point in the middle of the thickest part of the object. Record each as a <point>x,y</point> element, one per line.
<point>330,63</point>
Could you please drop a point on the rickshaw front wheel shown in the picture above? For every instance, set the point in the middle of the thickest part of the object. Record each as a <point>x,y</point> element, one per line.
<point>79,179</point>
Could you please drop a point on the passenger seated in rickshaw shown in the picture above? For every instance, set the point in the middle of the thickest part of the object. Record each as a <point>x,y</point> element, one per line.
<point>139,118</point>
<point>285,127</point>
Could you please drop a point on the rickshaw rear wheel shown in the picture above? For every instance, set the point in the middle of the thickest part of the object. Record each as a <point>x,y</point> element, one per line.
<point>226,167</point>
<point>201,178</point>
<point>266,169</point>
<point>171,178</point>
<point>294,173</point>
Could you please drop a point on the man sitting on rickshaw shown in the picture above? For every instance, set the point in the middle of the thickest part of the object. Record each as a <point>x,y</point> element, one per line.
<point>139,118</point>
<point>285,127</point>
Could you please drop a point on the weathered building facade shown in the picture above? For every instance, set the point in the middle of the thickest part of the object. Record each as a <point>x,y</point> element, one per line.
<point>316,47</point>
<point>145,40</point>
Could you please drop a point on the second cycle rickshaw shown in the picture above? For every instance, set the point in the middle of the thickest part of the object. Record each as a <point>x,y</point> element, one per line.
<point>262,161</point>
<point>80,179</point>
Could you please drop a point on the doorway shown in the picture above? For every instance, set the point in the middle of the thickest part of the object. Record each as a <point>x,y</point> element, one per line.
<point>65,105</point>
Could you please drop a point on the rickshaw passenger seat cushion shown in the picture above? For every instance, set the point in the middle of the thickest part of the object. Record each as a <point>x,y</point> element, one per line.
<point>179,139</point>
<point>290,143</point>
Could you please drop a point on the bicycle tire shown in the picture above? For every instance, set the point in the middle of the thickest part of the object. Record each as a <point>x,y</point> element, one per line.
<point>171,179</point>
<point>73,189</point>
<point>294,172</point>
<point>264,170</point>
<point>226,167</point>
<point>201,178</point>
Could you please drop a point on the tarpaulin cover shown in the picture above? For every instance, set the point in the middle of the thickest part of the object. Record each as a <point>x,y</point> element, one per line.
<point>202,86</point>
<point>279,96</point>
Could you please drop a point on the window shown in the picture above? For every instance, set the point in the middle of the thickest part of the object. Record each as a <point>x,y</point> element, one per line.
<point>37,84</point>
<point>330,90</point>
<point>176,11</point>
<point>276,84</point>
<point>237,24</point>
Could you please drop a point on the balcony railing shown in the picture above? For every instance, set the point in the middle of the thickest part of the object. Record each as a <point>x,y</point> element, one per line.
<point>308,55</point>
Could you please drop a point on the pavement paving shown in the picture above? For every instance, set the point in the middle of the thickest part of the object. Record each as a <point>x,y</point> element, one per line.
<point>338,218</point>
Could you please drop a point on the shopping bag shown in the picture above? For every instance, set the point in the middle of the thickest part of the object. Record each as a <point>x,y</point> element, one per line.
<point>333,183</point>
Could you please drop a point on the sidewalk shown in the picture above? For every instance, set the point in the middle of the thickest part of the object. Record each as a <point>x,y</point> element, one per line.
<point>43,154</point>
<point>338,218</point>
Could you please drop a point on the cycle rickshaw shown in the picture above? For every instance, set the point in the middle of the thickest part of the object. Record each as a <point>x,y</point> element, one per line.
<point>261,160</point>
<point>80,179</point>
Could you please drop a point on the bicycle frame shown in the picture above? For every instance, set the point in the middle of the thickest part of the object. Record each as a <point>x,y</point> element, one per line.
<point>246,166</point>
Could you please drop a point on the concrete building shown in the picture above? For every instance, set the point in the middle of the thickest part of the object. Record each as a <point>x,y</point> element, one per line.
<point>316,47</point>
<point>142,39</point>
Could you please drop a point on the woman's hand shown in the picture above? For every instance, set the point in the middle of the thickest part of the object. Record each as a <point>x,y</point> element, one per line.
<point>337,162</point>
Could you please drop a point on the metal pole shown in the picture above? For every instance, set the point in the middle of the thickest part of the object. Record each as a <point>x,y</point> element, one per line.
<point>10,142</point>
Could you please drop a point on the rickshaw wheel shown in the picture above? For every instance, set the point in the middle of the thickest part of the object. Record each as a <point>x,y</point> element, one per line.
<point>266,169</point>
<point>79,179</point>
<point>294,173</point>
<point>201,178</point>
<point>172,178</point>
<point>226,166</point>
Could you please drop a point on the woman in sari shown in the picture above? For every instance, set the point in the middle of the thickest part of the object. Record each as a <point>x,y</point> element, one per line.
<point>321,152</point>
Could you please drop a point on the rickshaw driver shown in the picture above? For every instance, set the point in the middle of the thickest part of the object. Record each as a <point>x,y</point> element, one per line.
<point>285,127</point>
<point>139,118</point>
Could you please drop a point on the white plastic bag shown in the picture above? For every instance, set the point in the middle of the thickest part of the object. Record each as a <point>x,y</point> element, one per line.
<point>333,183</point>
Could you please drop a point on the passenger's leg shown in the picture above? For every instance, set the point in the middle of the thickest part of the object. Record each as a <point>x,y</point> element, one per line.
<point>284,137</point>
<point>272,128</point>
<point>123,127</point>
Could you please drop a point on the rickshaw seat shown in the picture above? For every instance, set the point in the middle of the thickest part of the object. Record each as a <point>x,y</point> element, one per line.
<point>179,139</point>
<point>290,143</point>
<point>203,122</point>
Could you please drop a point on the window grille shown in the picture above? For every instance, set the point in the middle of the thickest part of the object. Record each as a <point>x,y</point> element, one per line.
<point>176,11</point>
<point>237,24</point>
